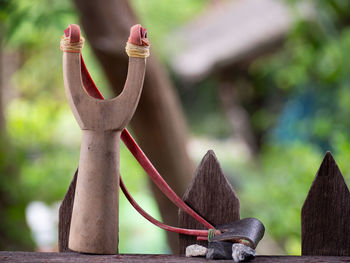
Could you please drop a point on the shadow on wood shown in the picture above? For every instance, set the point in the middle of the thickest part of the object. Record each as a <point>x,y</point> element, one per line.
<point>65,215</point>
<point>325,214</point>
<point>211,195</point>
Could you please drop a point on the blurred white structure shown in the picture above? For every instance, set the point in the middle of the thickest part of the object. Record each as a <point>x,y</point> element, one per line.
<point>229,33</point>
<point>42,220</point>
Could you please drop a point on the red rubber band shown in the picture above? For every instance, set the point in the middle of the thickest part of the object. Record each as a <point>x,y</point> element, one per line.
<point>192,232</point>
<point>73,32</point>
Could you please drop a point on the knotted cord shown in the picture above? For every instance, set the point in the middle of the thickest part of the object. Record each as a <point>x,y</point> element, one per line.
<point>132,50</point>
<point>73,47</point>
<point>136,51</point>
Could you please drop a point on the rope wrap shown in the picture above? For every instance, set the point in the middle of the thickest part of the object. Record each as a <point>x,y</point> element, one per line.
<point>211,233</point>
<point>136,51</point>
<point>67,46</point>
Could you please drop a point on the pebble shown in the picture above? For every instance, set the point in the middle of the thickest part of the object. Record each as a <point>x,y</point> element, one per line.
<point>241,252</point>
<point>219,250</point>
<point>196,251</point>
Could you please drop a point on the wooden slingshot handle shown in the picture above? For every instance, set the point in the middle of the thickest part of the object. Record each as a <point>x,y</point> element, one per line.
<point>94,224</point>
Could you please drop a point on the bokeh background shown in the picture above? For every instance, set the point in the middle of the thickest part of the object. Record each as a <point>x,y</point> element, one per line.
<point>264,84</point>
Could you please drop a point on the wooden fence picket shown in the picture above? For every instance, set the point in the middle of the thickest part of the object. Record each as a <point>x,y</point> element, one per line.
<point>325,216</point>
<point>211,195</point>
<point>65,215</point>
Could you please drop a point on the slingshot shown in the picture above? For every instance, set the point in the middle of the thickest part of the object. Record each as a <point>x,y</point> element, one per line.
<point>94,224</point>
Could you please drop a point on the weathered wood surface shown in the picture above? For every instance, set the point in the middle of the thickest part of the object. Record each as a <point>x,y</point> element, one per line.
<point>211,195</point>
<point>37,257</point>
<point>65,216</point>
<point>325,216</point>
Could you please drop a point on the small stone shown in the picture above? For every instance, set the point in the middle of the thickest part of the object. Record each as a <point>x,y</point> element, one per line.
<point>219,250</point>
<point>242,252</point>
<point>196,251</point>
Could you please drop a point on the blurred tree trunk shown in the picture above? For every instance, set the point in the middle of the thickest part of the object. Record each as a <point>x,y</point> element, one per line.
<point>158,123</point>
<point>238,117</point>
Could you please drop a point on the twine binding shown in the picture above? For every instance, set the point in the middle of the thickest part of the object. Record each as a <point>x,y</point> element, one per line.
<point>136,51</point>
<point>211,234</point>
<point>131,49</point>
<point>67,46</point>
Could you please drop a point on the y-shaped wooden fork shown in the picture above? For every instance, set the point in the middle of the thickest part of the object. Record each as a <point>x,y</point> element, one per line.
<point>94,224</point>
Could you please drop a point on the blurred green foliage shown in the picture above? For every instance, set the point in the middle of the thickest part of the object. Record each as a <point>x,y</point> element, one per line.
<point>41,147</point>
<point>312,73</point>
<point>163,17</point>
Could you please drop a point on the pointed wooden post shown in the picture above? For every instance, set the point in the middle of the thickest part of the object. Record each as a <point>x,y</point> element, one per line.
<point>65,216</point>
<point>211,195</point>
<point>325,216</point>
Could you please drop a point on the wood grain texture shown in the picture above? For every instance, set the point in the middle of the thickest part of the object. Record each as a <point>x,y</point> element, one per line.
<point>325,216</point>
<point>97,114</point>
<point>211,195</point>
<point>35,257</point>
<point>65,216</point>
<point>94,224</point>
